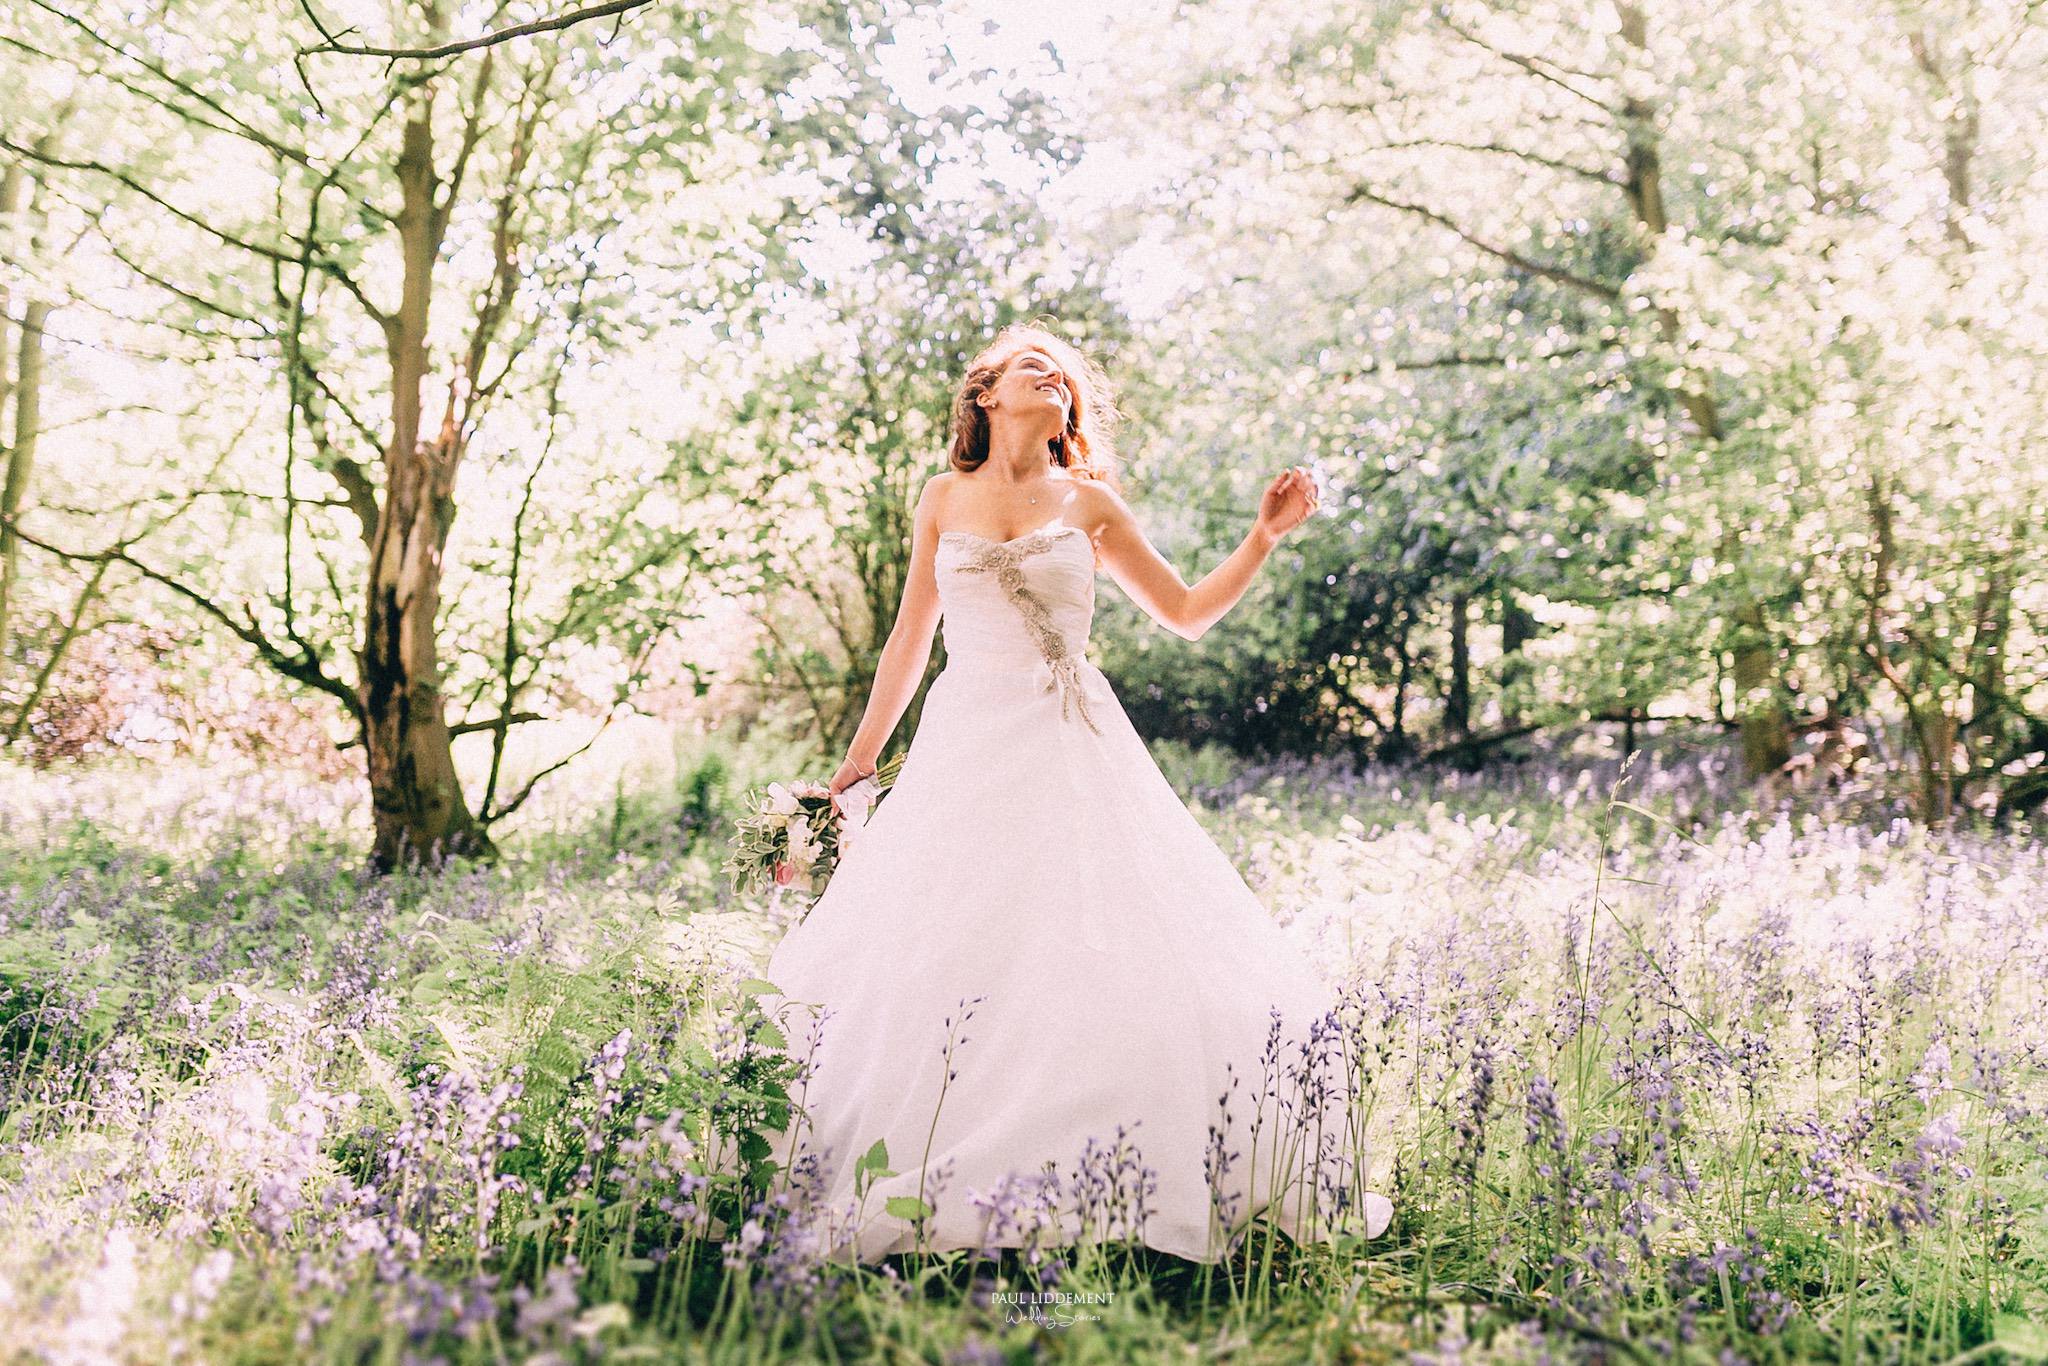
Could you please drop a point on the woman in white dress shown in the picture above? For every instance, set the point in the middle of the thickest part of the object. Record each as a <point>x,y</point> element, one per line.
<point>1034,978</point>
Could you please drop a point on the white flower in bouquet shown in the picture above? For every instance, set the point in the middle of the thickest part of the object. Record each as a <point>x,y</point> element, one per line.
<point>781,801</point>
<point>804,845</point>
<point>855,801</point>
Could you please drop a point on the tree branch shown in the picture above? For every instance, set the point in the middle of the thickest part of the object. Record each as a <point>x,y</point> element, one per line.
<point>1500,149</point>
<point>1455,359</point>
<point>198,301</point>
<point>491,39</point>
<point>303,668</point>
<point>509,659</point>
<point>496,723</point>
<point>490,817</point>
<point>262,249</point>
<point>518,718</point>
<point>236,126</point>
<point>123,178</point>
<point>633,678</point>
<point>1535,66</point>
<point>370,439</point>
<point>1606,293</point>
<point>86,595</point>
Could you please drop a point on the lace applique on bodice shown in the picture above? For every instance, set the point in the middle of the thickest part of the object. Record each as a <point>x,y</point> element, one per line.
<point>1052,603</point>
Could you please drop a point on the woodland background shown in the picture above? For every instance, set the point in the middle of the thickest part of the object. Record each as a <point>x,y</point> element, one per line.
<point>1673,366</point>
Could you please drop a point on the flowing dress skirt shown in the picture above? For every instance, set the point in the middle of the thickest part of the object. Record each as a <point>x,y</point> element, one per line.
<point>1040,983</point>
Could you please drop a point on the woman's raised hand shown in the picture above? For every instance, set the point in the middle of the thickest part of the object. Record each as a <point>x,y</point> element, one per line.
<point>1288,501</point>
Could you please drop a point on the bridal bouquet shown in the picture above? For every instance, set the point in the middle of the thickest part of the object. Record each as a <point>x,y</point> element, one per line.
<point>792,835</point>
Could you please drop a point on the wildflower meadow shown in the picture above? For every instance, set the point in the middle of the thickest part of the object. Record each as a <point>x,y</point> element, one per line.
<point>1649,1077</point>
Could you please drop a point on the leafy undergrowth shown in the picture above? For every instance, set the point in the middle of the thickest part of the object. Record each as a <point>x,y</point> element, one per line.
<point>1651,1078</point>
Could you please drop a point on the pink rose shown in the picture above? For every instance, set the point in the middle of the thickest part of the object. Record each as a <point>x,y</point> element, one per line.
<point>785,873</point>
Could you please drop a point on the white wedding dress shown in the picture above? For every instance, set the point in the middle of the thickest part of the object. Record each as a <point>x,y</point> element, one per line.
<point>1033,866</point>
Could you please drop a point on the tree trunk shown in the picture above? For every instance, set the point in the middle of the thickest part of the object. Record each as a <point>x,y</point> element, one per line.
<point>1517,628</point>
<point>1989,635</point>
<point>1956,102</point>
<point>1396,745</point>
<point>1458,698</point>
<point>1932,724</point>
<point>14,475</point>
<point>21,454</point>
<point>1937,735</point>
<point>419,809</point>
<point>1643,183</point>
<point>1766,728</point>
<point>12,182</point>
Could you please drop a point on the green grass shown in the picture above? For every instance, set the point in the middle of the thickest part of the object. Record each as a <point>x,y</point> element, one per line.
<point>1656,1078</point>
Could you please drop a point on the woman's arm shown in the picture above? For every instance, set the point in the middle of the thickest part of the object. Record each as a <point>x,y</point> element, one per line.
<point>1157,587</point>
<point>908,650</point>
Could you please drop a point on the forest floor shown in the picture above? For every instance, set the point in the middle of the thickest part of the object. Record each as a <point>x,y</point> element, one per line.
<point>1653,1077</point>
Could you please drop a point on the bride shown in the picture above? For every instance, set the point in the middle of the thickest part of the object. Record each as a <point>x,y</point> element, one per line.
<point>1033,978</point>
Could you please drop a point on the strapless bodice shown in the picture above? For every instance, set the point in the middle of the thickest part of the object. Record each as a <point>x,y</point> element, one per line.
<point>1024,604</point>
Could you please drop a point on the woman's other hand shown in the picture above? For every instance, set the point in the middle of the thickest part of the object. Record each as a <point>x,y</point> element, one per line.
<point>1288,501</point>
<point>849,773</point>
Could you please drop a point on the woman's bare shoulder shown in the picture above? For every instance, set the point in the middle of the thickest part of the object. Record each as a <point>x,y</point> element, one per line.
<point>1096,508</point>
<point>935,488</point>
<point>1098,502</point>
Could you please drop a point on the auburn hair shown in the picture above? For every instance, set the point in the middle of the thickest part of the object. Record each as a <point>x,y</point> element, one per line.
<point>1086,447</point>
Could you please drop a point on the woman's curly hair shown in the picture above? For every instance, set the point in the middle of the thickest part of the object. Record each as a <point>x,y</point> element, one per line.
<point>1087,445</point>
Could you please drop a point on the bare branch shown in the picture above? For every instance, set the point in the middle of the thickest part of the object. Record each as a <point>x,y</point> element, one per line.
<point>509,660</point>
<point>498,292</point>
<point>1605,292</point>
<point>361,428</point>
<point>1541,68</point>
<point>100,414</point>
<point>326,34</point>
<point>262,249</point>
<point>1455,359</point>
<point>1535,158</point>
<point>634,677</point>
<point>356,486</point>
<point>496,723</point>
<point>57,651</point>
<point>123,178</point>
<point>198,301</point>
<point>472,134</point>
<point>493,817</point>
<point>236,125</point>
<point>305,667</point>
<point>130,504</point>
<point>491,39</point>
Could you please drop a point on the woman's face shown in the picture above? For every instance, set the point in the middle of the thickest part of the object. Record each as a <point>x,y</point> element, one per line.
<point>1032,386</point>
